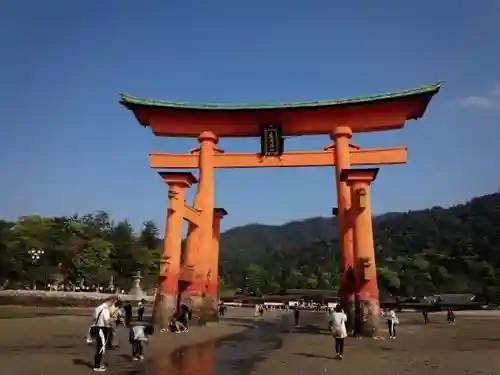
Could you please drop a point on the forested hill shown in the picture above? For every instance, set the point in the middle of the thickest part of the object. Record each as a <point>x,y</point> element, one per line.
<point>252,240</point>
<point>455,249</point>
<point>436,250</point>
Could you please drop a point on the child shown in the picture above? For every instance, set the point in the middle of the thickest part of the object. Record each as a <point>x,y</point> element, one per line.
<point>392,321</point>
<point>138,334</point>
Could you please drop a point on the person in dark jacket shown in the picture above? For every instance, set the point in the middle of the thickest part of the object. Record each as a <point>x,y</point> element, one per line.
<point>450,316</point>
<point>296,315</point>
<point>141,306</point>
<point>425,313</point>
<point>127,308</point>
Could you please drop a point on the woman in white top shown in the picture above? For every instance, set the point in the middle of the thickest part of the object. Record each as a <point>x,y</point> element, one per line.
<point>100,328</point>
<point>339,330</point>
<point>392,320</point>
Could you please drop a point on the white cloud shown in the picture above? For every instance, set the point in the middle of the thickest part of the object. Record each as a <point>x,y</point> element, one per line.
<point>482,102</point>
<point>490,101</point>
<point>496,91</point>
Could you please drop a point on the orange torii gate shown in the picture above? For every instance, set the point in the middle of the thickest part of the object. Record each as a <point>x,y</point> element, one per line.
<point>272,122</point>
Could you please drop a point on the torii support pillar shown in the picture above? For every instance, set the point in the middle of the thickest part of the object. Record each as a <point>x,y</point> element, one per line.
<point>341,149</point>
<point>213,279</point>
<point>166,299</point>
<point>208,312</point>
<point>365,270</point>
<point>199,238</point>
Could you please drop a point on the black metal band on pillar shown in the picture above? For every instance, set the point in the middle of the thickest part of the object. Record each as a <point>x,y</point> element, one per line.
<point>271,140</point>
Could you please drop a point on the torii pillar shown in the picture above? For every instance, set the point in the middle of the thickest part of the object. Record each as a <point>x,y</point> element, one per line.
<point>341,149</point>
<point>167,295</point>
<point>213,273</point>
<point>199,242</point>
<point>366,286</point>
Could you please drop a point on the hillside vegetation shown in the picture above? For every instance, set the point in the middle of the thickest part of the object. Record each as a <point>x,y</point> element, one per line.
<point>419,252</point>
<point>455,249</point>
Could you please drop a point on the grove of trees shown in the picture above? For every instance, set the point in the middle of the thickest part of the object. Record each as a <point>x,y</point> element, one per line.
<point>436,250</point>
<point>77,249</point>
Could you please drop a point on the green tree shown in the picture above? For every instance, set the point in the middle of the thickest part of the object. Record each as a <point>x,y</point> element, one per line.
<point>149,252</point>
<point>93,264</point>
<point>124,256</point>
<point>149,237</point>
<point>255,278</point>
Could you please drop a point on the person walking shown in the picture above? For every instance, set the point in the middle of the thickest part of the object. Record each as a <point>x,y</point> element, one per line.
<point>261,310</point>
<point>127,308</point>
<point>99,331</point>
<point>339,330</point>
<point>140,309</point>
<point>450,316</point>
<point>222,309</point>
<point>392,321</point>
<point>296,315</point>
<point>425,313</point>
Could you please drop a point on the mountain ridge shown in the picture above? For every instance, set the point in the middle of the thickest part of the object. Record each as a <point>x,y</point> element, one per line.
<point>437,249</point>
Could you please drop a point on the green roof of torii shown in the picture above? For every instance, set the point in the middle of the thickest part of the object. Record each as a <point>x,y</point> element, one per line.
<point>132,101</point>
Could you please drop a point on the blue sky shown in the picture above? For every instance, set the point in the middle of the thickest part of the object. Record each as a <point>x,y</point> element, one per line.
<point>67,146</point>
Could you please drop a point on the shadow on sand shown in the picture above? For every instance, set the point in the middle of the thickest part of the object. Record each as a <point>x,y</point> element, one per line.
<point>309,328</point>
<point>81,362</point>
<point>309,355</point>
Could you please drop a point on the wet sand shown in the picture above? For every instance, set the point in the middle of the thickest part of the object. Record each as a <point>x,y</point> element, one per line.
<point>34,341</point>
<point>244,345</point>
<point>471,346</point>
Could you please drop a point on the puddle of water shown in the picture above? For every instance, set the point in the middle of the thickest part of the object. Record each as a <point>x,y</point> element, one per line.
<point>234,355</point>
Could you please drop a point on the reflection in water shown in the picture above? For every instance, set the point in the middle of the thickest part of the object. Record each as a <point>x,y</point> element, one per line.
<point>233,355</point>
<point>196,359</point>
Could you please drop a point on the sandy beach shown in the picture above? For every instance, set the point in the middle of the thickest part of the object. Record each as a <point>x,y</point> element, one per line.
<point>242,344</point>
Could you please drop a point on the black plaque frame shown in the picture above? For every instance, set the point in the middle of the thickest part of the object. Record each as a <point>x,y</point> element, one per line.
<point>272,141</point>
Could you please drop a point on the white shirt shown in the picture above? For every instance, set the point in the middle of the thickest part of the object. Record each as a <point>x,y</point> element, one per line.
<point>102,315</point>
<point>391,316</point>
<point>339,321</point>
<point>138,333</point>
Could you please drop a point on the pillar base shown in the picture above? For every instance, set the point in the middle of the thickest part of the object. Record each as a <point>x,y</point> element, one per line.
<point>347,298</point>
<point>164,308</point>
<point>367,318</point>
<point>199,298</point>
<point>349,307</point>
<point>203,307</point>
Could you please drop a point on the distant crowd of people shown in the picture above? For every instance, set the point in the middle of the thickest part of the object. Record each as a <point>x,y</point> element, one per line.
<point>69,287</point>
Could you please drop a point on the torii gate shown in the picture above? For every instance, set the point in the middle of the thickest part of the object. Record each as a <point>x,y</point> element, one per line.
<point>272,122</point>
